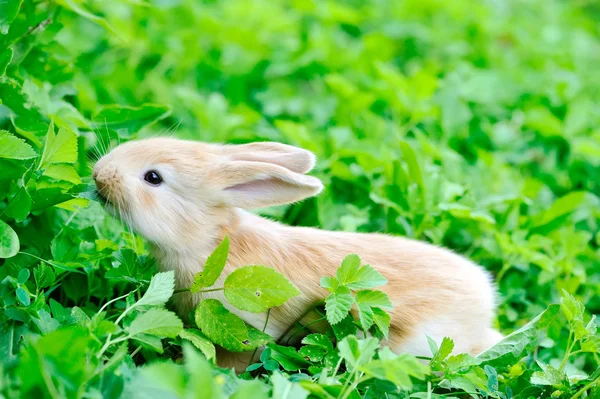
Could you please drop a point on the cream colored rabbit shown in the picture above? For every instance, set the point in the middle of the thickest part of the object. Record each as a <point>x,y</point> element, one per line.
<point>185,196</point>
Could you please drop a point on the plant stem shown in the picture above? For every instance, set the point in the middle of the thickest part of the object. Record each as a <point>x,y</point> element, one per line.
<point>585,388</point>
<point>310,309</point>
<point>199,292</point>
<point>304,327</point>
<point>263,330</point>
<point>570,345</point>
<point>49,262</point>
<point>111,301</point>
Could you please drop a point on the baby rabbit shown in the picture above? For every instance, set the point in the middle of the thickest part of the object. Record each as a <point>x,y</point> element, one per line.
<point>185,196</point>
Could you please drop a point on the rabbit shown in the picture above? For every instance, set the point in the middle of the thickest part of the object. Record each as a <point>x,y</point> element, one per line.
<point>183,197</point>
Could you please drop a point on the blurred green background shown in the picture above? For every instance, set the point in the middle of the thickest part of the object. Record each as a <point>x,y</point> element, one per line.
<point>469,124</point>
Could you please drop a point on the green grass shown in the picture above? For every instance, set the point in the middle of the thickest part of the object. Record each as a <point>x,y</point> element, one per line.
<point>469,124</point>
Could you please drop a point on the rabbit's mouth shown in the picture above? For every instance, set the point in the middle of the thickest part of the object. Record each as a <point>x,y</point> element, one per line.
<point>101,197</point>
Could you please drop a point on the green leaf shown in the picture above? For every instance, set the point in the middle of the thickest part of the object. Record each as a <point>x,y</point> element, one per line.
<point>319,340</point>
<point>76,8</point>
<point>365,316</point>
<point>251,389</point>
<point>548,376</point>
<point>8,12</point>
<point>13,147</point>
<point>129,120</point>
<point>414,170</point>
<point>285,389</point>
<point>23,276</point>
<point>213,267</point>
<point>63,172</point>
<point>338,304</point>
<point>223,327</point>
<point>521,342</point>
<point>463,360</point>
<point>158,322</point>
<point>561,207</point>
<point>287,356</point>
<point>11,169</point>
<point>357,352</point>
<point>200,341</point>
<point>347,272</point>
<point>571,307</point>
<point>149,342</point>
<point>160,290</point>
<point>5,59</point>
<point>443,352</point>
<point>59,148</point>
<point>344,328</point>
<point>258,288</point>
<point>374,299</point>
<point>367,277</point>
<point>312,353</point>
<point>9,241</point>
<point>382,319</point>
<point>398,370</point>
<point>23,296</point>
<point>330,283</point>
<point>47,197</point>
<point>19,206</point>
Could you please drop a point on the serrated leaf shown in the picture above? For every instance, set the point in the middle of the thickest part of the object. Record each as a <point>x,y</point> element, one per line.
<point>329,283</point>
<point>344,328</point>
<point>312,353</point>
<point>160,290</point>
<point>12,147</point>
<point>521,342</point>
<point>365,316</point>
<point>213,267</point>
<point>548,376</point>
<point>319,340</point>
<point>19,206</point>
<point>398,370</point>
<point>9,241</point>
<point>444,351</point>
<point>129,120</point>
<point>347,272</point>
<point>200,341</point>
<point>149,341</point>
<point>367,277</point>
<point>158,322</point>
<point>258,288</point>
<point>59,148</point>
<point>382,319</point>
<point>373,299</point>
<point>357,352</point>
<point>222,327</point>
<point>338,304</point>
<point>106,327</point>
<point>45,322</point>
<point>63,172</point>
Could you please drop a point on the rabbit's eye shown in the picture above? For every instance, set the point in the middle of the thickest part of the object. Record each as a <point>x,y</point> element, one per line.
<point>153,178</point>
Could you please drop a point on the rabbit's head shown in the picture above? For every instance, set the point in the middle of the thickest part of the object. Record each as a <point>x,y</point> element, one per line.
<point>169,190</point>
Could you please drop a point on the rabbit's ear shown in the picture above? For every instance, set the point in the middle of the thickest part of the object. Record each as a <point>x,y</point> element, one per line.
<point>251,185</point>
<point>293,158</point>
